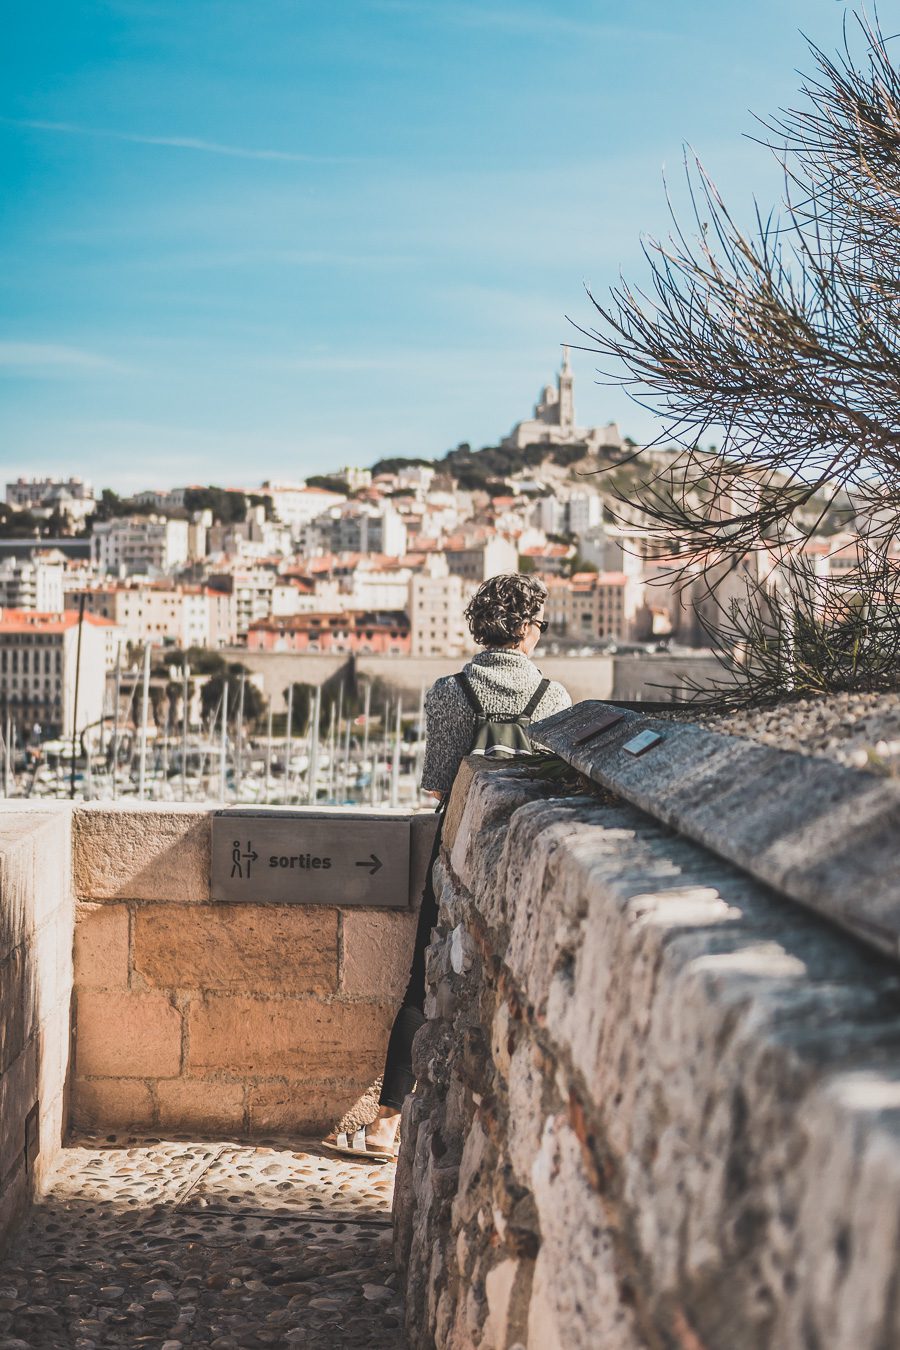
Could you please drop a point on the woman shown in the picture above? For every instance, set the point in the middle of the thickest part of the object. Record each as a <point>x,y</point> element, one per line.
<point>506,618</point>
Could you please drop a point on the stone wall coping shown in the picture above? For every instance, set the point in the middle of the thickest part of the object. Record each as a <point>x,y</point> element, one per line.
<point>820,833</point>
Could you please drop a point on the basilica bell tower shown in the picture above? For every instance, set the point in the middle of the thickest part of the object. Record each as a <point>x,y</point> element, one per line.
<point>566,382</point>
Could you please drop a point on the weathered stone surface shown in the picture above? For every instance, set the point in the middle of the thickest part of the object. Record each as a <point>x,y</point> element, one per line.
<point>15,973</point>
<point>101,946</point>
<point>126,1035</point>
<point>35,995</point>
<point>377,950</point>
<point>112,1104</point>
<point>820,832</point>
<point>246,948</point>
<point>196,1104</point>
<point>141,853</point>
<point>296,1108</point>
<point>18,1095</point>
<point>303,1039</point>
<point>662,1095</point>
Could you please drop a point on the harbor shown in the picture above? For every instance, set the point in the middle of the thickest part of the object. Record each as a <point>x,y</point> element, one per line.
<point>351,748</point>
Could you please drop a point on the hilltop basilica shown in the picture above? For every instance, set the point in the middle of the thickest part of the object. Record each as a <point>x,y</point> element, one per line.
<point>553,422</point>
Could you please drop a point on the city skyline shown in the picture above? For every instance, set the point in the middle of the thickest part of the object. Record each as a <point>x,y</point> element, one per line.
<point>329,238</point>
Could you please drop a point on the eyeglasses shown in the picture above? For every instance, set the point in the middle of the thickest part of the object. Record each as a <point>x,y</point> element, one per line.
<point>542,624</point>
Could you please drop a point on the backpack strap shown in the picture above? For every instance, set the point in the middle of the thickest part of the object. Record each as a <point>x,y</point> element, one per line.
<point>465,685</point>
<point>531,706</point>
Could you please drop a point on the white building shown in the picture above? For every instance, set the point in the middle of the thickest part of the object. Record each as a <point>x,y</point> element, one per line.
<point>33,583</point>
<point>71,496</point>
<point>437,601</point>
<point>38,654</point>
<point>251,591</point>
<point>252,537</point>
<point>140,545</point>
<point>485,558</point>
<point>296,505</point>
<point>359,527</point>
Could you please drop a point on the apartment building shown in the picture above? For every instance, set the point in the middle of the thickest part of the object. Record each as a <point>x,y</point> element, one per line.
<point>161,613</point>
<point>590,605</point>
<point>33,583</point>
<point>359,527</point>
<point>297,505</point>
<point>436,615</point>
<point>251,591</point>
<point>38,654</point>
<point>140,545</point>
<point>476,560</point>
<point>383,634</point>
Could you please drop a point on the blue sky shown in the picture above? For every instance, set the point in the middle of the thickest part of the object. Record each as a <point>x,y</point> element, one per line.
<point>252,238</point>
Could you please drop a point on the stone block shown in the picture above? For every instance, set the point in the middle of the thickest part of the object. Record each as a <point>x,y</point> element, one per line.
<point>378,948</point>
<point>127,1035</point>
<point>821,833</point>
<point>18,1094</point>
<point>278,949</point>
<point>54,1045</point>
<point>577,1300</point>
<point>498,1286</point>
<point>296,1108</point>
<point>53,870</point>
<point>198,1104</point>
<point>142,853</point>
<point>101,946</point>
<point>51,969</point>
<point>301,1039</point>
<point>459,795</point>
<point>112,1104</point>
<point>16,885</point>
<point>13,987</point>
<point>15,1196</point>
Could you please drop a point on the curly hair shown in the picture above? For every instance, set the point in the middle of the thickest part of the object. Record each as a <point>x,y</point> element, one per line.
<point>501,607</point>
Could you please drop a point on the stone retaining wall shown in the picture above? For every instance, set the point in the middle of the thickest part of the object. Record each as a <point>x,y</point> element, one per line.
<point>35,998</point>
<point>657,1105</point>
<point>194,1016</point>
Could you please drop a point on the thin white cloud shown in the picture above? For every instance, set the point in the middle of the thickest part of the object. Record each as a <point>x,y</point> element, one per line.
<point>51,357</point>
<point>173,142</point>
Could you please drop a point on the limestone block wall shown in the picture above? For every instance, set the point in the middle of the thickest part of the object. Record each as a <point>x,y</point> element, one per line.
<point>195,1016</point>
<point>36,914</point>
<point>657,1105</point>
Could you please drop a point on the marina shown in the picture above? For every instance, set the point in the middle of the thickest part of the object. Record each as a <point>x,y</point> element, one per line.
<point>339,757</point>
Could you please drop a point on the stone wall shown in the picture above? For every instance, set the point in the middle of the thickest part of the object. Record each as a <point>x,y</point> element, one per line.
<point>657,1105</point>
<point>194,1016</point>
<point>35,997</point>
<point>648,676</point>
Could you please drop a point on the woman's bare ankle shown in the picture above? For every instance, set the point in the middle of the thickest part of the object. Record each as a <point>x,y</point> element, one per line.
<point>385,1125</point>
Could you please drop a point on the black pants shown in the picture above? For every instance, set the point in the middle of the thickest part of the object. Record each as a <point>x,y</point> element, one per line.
<point>398,1075</point>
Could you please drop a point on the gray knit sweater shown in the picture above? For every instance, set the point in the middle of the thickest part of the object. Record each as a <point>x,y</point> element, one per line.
<point>504,682</point>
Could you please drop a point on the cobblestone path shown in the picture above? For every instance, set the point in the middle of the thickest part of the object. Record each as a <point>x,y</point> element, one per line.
<point>167,1245</point>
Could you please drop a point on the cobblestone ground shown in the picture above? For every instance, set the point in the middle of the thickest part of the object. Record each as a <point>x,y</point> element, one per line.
<point>166,1245</point>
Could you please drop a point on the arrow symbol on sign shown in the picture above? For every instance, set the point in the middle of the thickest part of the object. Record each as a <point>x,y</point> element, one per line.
<point>372,863</point>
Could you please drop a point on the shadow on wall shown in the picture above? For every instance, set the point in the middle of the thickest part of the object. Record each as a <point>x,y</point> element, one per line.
<point>36,923</point>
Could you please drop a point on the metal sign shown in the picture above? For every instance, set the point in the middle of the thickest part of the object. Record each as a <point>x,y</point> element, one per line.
<point>602,723</point>
<point>644,740</point>
<point>310,860</point>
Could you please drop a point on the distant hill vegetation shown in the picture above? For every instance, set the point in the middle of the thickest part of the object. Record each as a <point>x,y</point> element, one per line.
<point>486,469</point>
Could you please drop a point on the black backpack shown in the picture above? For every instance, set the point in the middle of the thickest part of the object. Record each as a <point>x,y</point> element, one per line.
<point>501,735</point>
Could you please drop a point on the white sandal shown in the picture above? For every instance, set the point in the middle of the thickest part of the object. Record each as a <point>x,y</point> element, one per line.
<point>357,1146</point>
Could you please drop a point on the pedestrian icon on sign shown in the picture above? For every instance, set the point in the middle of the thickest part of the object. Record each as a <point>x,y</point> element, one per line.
<point>239,859</point>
